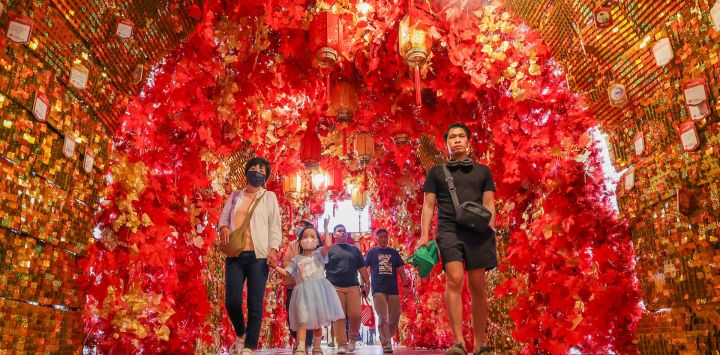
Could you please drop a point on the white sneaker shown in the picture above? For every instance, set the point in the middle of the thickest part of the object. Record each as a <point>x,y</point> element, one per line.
<point>342,350</point>
<point>247,351</point>
<point>351,347</point>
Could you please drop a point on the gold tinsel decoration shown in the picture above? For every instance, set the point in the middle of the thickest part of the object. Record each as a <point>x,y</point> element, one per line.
<point>428,154</point>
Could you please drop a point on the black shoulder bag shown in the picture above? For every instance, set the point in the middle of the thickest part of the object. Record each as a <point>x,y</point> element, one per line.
<point>469,214</point>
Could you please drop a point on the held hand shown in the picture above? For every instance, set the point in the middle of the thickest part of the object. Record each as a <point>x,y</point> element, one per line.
<point>326,223</point>
<point>224,235</point>
<point>422,242</point>
<point>272,258</point>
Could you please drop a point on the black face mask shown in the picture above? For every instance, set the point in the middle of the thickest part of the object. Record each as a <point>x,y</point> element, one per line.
<point>255,178</point>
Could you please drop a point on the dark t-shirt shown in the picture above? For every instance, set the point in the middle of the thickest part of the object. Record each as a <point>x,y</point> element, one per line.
<point>344,260</point>
<point>383,263</point>
<point>470,181</point>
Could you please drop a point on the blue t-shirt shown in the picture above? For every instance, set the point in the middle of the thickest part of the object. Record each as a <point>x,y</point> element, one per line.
<point>383,263</point>
<point>344,260</point>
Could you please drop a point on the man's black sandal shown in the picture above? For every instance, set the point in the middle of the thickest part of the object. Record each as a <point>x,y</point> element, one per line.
<point>485,350</point>
<point>456,349</point>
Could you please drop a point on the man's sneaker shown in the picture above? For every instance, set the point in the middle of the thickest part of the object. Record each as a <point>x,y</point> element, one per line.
<point>387,349</point>
<point>351,347</point>
<point>456,349</point>
<point>317,351</point>
<point>342,350</point>
<point>247,351</point>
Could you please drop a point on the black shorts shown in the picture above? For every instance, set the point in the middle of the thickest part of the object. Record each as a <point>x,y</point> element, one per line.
<point>476,251</point>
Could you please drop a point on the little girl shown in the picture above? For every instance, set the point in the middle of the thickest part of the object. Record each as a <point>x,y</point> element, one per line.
<point>314,303</point>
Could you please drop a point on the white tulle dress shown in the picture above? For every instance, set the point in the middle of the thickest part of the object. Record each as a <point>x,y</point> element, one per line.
<point>314,301</point>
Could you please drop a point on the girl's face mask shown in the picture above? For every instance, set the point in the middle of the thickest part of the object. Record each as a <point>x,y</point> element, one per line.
<point>309,243</point>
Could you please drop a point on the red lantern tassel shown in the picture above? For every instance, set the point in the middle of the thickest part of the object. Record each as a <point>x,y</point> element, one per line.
<point>418,98</point>
<point>327,87</point>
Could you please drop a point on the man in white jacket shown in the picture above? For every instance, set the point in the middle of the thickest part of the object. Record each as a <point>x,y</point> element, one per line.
<point>259,252</point>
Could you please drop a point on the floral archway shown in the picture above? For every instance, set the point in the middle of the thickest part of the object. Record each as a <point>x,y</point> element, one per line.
<point>249,80</point>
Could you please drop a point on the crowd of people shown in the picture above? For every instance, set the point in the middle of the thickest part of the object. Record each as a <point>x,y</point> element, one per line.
<point>326,276</point>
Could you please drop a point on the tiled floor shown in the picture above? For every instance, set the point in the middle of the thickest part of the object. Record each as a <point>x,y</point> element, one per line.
<point>360,350</point>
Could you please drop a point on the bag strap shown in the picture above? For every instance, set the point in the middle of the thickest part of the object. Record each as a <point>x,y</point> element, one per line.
<point>246,222</point>
<point>451,186</point>
<point>365,300</point>
<point>234,198</point>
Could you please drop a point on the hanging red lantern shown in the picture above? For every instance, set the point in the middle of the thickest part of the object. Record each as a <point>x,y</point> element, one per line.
<point>310,148</point>
<point>334,181</point>
<point>414,46</point>
<point>401,135</point>
<point>364,147</point>
<point>403,119</point>
<point>343,101</point>
<point>326,38</point>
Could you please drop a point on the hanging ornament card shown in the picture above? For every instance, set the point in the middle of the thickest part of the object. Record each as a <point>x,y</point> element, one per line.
<point>603,17</point>
<point>20,29</point>
<point>696,98</point>
<point>89,160</point>
<point>663,52</point>
<point>639,144</point>
<point>617,95</point>
<point>79,76</point>
<point>715,15</point>
<point>124,28</point>
<point>69,146</point>
<point>41,105</point>
<point>630,179</point>
<point>138,74</point>
<point>689,136</point>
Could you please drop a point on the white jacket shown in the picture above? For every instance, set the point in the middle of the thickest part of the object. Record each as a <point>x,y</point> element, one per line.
<point>265,225</point>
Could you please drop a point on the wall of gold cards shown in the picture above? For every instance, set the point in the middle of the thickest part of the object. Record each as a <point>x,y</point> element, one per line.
<point>48,195</point>
<point>649,71</point>
<point>67,71</point>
